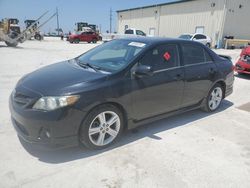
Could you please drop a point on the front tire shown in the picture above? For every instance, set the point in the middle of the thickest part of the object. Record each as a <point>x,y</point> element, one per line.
<point>77,41</point>
<point>11,44</point>
<point>102,127</point>
<point>214,98</point>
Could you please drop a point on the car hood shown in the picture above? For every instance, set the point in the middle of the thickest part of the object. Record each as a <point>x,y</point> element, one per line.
<point>60,78</point>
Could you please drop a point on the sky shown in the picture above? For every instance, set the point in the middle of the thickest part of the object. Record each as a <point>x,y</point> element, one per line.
<point>70,12</point>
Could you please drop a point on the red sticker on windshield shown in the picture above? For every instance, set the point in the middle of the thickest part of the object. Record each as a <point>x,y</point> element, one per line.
<point>167,56</point>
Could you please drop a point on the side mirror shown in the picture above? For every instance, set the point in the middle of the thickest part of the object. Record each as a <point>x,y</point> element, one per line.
<point>143,70</point>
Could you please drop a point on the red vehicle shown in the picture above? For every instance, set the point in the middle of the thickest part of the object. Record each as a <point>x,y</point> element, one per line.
<point>243,64</point>
<point>85,37</point>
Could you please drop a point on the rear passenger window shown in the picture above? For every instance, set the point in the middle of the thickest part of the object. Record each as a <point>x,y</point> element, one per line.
<point>129,31</point>
<point>162,57</point>
<point>194,54</point>
<point>199,37</point>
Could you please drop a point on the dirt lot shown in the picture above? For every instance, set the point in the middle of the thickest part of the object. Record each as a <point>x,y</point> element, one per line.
<point>193,150</point>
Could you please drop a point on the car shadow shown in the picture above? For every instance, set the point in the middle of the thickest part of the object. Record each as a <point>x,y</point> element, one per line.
<point>243,76</point>
<point>147,130</point>
<point>5,46</point>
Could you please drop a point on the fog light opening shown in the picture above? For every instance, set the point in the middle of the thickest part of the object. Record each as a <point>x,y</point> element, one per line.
<point>47,134</point>
<point>44,134</point>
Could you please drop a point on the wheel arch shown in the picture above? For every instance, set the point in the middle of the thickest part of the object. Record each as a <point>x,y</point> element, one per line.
<point>223,85</point>
<point>116,104</point>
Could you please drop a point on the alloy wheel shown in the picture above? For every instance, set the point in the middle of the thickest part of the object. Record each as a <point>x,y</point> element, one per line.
<point>215,98</point>
<point>104,128</point>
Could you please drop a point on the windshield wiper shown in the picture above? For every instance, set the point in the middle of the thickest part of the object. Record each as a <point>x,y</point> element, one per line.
<point>96,69</point>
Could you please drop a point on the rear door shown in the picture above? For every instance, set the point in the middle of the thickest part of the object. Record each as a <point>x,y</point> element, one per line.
<point>162,92</point>
<point>200,73</point>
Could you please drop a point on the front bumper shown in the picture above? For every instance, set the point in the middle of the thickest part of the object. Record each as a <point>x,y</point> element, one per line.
<point>242,67</point>
<point>55,129</point>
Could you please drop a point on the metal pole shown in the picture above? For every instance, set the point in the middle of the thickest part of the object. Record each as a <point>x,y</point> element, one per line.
<point>110,25</point>
<point>222,27</point>
<point>57,18</point>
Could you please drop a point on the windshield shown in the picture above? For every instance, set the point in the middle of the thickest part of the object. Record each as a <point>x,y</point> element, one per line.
<point>112,56</point>
<point>187,37</point>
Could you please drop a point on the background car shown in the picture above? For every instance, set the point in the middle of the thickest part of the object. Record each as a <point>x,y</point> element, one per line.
<point>243,64</point>
<point>88,36</point>
<point>131,32</point>
<point>204,39</point>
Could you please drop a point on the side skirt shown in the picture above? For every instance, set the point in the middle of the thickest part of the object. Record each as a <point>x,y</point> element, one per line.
<point>135,123</point>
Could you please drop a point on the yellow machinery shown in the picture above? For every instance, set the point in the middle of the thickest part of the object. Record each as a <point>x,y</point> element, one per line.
<point>11,34</point>
<point>9,31</point>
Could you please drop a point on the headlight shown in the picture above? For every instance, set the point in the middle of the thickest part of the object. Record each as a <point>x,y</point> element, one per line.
<point>53,103</point>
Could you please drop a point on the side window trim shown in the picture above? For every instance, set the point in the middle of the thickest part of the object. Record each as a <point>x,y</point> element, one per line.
<point>167,69</point>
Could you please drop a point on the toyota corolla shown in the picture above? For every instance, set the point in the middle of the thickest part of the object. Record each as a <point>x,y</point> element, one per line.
<point>119,85</point>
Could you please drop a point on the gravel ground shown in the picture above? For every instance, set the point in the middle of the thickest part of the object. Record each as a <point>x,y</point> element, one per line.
<point>193,150</point>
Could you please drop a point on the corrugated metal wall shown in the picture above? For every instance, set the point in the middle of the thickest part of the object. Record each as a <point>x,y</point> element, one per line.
<point>175,19</point>
<point>237,21</point>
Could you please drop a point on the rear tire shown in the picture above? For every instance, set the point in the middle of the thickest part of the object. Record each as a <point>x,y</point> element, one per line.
<point>38,37</point>
<point>102,127</point>
<point>214,98</point>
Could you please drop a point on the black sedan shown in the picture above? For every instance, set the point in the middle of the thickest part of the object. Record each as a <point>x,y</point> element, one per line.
<point>119,85</point>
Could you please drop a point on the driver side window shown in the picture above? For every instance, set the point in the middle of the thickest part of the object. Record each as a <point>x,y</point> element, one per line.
<point>162,57</point>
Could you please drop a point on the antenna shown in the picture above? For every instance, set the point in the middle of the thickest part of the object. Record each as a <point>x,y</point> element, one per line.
<point>57,19</point>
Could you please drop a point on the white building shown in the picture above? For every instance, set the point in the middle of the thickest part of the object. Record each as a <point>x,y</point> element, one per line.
<point>215,18</point>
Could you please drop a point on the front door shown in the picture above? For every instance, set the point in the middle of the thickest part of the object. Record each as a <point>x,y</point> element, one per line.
<point>84,36</point>
<point>162,92</point>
